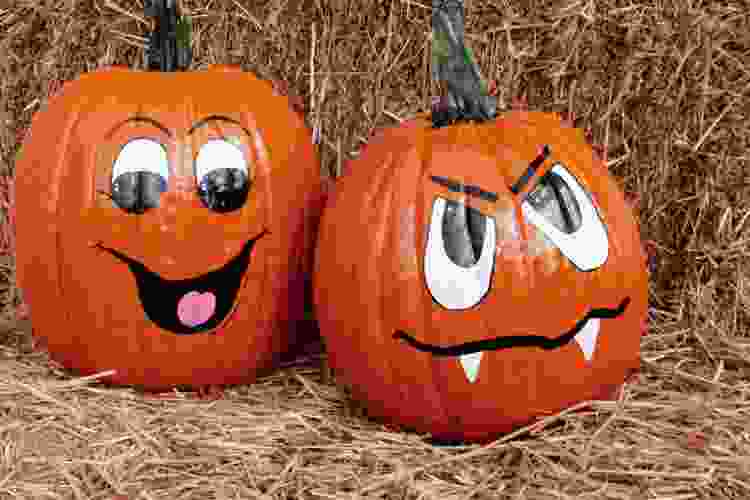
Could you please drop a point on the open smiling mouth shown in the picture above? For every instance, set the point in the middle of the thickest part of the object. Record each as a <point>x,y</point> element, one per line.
<point>585,333</point>
<point>191,305</point>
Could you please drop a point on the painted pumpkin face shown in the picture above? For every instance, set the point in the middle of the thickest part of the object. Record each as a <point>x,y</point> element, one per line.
<point>479,283</point>
<point>164,225</point>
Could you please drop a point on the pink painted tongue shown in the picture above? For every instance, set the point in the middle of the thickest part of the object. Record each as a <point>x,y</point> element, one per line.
<point>196,308</point>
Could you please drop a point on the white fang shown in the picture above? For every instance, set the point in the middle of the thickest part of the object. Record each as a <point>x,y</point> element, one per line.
<point>470,363</point>
<point>587,337</point>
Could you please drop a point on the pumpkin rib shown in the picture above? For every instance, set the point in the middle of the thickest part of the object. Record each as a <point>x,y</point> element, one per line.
<point>438,415</point>
<point>383,201</point>
<point>425,150</point>
<point>375,192</point>
<point>31,175</point>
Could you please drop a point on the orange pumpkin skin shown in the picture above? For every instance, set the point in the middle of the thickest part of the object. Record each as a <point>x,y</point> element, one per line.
<point>81,258</point>
<point>371,281</point>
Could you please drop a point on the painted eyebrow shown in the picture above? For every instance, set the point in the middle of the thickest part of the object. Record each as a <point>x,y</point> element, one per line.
<point>215,118</point>
<point>458,187</point>
<point>144,119</point>
<point>532,168</point>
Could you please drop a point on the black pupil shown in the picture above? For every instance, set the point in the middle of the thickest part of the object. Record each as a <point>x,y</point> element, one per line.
<point>553,198</point>
<point>224,189</point>
<point>463,233</point>
<point>136,192</point>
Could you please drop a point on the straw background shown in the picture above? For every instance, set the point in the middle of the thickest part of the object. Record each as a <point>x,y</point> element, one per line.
<point>663,85</point>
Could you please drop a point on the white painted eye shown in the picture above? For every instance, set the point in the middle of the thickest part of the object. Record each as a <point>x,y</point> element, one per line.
<point>563,211</point>
<point>142,155</point>
<point>459,255</point>
<point>219,154</point>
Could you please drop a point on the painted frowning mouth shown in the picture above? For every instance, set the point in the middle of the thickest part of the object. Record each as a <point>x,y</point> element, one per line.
<point>585,333</point>
<point>191,305</point>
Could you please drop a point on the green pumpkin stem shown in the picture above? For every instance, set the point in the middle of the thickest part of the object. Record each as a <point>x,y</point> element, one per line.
<point>169,47</point>
<point>453,63</point>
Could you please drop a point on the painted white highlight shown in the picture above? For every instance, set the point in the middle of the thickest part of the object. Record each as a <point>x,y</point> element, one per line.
<point>218,153</point>
<point>142,155</point>
<point>455,287</point>
<point>587,337</point>
<point>588,247</point>
<point>471,363</point>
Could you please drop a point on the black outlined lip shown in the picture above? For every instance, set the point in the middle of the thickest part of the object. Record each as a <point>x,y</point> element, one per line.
<point>159,297</point>
<point>499,343</point>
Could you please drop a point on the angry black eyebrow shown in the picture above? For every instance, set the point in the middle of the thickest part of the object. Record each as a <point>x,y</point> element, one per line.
<point>532,168</point>
<point>459,187</point>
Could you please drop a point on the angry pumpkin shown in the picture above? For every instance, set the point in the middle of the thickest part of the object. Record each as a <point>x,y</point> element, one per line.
<point>164,225</point>
<point>473,278</point>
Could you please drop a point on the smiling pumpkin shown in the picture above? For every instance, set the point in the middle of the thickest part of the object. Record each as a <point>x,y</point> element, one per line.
<point>163,229</point>
<point>487,275</point>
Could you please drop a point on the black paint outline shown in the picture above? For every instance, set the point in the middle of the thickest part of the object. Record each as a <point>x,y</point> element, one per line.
<point>154,291</point>
<point>498,343</point>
